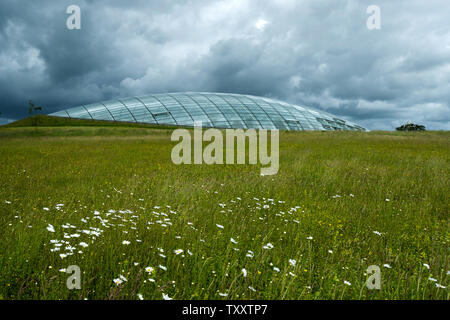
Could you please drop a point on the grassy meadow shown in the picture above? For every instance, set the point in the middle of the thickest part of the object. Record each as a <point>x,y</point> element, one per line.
<point>109,200</point>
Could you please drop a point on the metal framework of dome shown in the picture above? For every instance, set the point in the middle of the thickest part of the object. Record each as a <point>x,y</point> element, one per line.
<point>217,110</point>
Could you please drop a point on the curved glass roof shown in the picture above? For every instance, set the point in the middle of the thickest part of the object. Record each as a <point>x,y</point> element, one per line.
<point>218,110</point>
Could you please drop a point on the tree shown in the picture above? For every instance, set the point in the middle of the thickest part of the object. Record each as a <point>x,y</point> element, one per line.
<point>32,109</point>
<point>411,127</point>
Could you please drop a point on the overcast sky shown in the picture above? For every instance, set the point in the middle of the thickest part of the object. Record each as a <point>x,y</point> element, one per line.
<point>311,53</point>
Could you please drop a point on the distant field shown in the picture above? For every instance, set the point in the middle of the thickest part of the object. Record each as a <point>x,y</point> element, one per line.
<point>341,201</point>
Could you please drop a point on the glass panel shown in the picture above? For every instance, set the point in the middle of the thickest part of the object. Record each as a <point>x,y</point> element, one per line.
<point>118,111</point>
<point>60,114</point>
<point>78,113</point>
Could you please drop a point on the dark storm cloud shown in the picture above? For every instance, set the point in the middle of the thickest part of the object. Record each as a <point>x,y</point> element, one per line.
<point>314,53</point>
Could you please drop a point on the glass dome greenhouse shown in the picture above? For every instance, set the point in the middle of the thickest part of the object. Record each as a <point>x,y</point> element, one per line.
<point>217,110</point>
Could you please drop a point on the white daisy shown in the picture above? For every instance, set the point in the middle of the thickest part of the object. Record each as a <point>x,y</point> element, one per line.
<point>166,297</point>
<point>268,246</point>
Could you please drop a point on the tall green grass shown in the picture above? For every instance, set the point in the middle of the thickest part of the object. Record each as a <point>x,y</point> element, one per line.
<point>333,190</point>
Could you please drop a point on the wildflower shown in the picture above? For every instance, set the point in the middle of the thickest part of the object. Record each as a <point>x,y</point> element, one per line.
<point>162,267</point>
<point>276,269</point>
<point>387,200</point>
<point>251,288</point>
<point>219,226</point>
<point>63,270</point>
<point>122,278</point>
<point>268,246</point>
<point>432,279</point>
<point>63,255</point>
<point>83,244</point>
<point>426,265</point>
<point>178,251</point>
<point>387,266</point>
<point>233,241</point>
<point>46,209</point>
<point>149,269</point>
<point>126,242</point>
<point>347,283</point>
<point>292,262</point>
<point>309,238</point>
<point>50,228</point>
<point>330,251</point>
<point>292,274</point>
<point>244,272</point>
<point>117,281</point>
<point>440,286</point>
<point>151,280</point>
<point>377,233</point>
<point>250,254</point>
<point>166,297</point>
<point>140,296</point>
<point>223,294</point>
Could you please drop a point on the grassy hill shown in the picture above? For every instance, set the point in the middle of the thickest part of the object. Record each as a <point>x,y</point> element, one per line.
<point>107,198</point>
<point>52,121</point>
